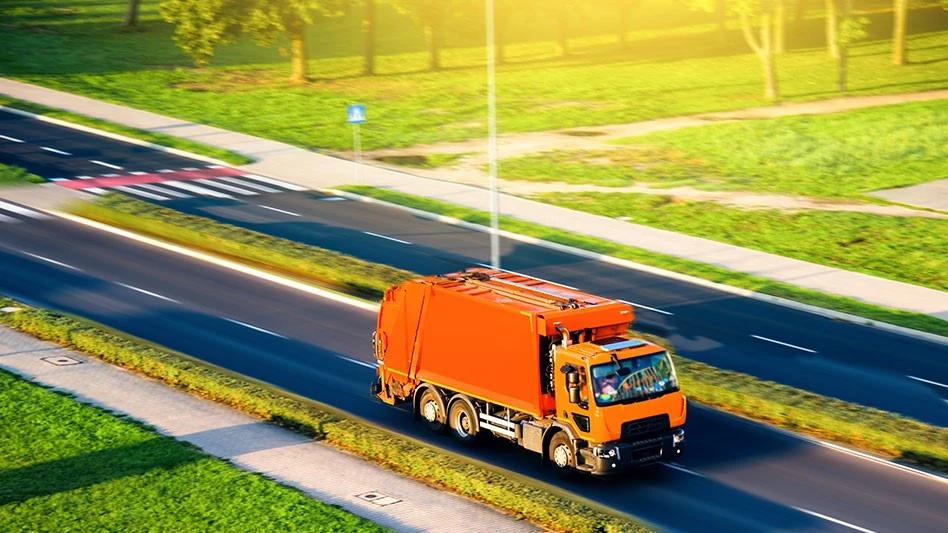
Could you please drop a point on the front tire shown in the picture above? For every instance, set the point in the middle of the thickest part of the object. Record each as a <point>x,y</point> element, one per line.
<point>429,407</point>
<point>562,455</point>
<point>463,423</point>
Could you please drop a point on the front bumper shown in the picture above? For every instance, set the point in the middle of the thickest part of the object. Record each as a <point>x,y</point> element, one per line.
<point>619,456</point>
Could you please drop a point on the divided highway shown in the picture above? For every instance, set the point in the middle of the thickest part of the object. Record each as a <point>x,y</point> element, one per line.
<point>737,476</point>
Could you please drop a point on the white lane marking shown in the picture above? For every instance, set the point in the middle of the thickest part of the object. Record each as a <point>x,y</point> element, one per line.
<point>214,166</point>
<point>53,261</point>
<point>58,179</point>
<point>833,520</point>
<point>95,190</point>
<point>104,164</point>
<point>84,177</point>
<point>211,183</point>
<point>14,139</point>
<point>110,175</point>
<point>53,150</point>
<point>189,169</point>
<point>784,344</point>
<point>356,361</point>
<point>149,293</point>
<point>683,469</point>
<point>166,171</point>
<point>333,199</point>
<point>195,188</point>
<point>13,208</point>
<point>255,328</point>
<point>160,190</point>
<point>385,237</point>
<point>143,194</point>
<point>928,381</point>
<point>248,184</point>
<point>9,220</point>
<point>278,183</point>
<point>485,265</point>
<point>138,173</point>
<point>279,210</point>
<point>633,304</point>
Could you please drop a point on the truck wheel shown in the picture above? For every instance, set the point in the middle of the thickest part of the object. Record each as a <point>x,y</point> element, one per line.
<point>463,423</point>
<point>431,412</point>
<point>562,455</point>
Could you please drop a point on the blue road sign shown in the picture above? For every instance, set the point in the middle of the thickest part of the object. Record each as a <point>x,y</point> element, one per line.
<point>355,113</point>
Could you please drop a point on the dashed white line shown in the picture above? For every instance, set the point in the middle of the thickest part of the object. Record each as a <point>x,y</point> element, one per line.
<point>110,175</point>
<point>485,265</point>
<point>633,304</point>
<point>53,261</point>
<point>104,164</point>
<point>166,171</point>
<point>84,177</point>
<point>21,210</point>
<point>138,173</point>
<point>149,293</point>
<point>13,139</point>
<point>928,381</point>
<point>683,469</point>
<point>255,328</point>
<point>189,169</point>
<point>53,150</point>
<point>385,237</point>
<point>214,166</point>
<point>280,210</point>
<point>833,520</point>
<point>356,361</point>
<point>794,346</point>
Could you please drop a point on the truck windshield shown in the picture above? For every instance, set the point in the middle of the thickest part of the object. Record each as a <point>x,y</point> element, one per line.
<point>650,376</point>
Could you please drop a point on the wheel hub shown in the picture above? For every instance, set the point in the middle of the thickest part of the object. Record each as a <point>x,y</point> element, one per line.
<point>430,411</point>
<point>561,456</point>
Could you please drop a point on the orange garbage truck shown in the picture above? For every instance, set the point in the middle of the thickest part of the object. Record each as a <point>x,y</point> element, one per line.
<point>545,366</point>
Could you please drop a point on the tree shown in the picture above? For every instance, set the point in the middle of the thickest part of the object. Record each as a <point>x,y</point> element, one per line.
<point>368,37</point>
<point>780,22</point>
<point>431,14</point>
<point>131,14</point>
<point>832,24</point>
<point>851,29</point>
<point>203,25</point>
<point>625,10</point>
<point>899,15</point>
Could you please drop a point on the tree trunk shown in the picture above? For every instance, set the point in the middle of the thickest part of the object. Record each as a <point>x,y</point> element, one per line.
<point>832,40</point>
<point>767,56</point>
<point>800,11</point>
<point>368,38</point>
<point>131,14</point>
<point>432,37</point>
<point>780,20</point>
<point>900,13</point>
<point>563,40</point>
<point>297,33</point>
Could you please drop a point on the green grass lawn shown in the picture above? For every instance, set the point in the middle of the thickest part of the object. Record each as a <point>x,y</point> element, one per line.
<point>908,249</point>
<point>13,175</point>
<point>666,71</point>
<point>66,466</point>
<point>838,155</point>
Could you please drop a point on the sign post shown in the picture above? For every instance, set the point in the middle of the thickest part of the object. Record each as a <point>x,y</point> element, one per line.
<point>355,115</point>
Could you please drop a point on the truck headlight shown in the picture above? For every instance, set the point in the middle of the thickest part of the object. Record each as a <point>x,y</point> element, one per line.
<point>606,452</point>
<point>678,437</point>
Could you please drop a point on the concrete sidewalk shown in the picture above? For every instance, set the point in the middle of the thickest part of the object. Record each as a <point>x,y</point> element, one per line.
<point>320,471</point>
<point>317,171</point>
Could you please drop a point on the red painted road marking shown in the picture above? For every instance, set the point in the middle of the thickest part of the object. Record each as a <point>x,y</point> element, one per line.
<point>151,178</point>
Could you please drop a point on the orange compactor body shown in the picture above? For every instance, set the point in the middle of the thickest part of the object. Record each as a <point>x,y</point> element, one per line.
<point>540,364</point>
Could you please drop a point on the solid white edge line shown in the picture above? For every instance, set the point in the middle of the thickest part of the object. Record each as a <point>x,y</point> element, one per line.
<point>625,263</point>
<point>279,210</point>
<point>356,361</point>
<point>255,328</point>
<point>143,291</point>
<point>485,265</point>
<point>385,237</point>
<point>12,139</point>
<point>53,261</point>
<point>788,345</point>
<point>53,150</point>
<point>833,520</point>
<point>14,208</point>
<point>633,304</point>
<point>673,466</point>
<point>316,291</point>
<point>104,164</point>
<point>928,381</point>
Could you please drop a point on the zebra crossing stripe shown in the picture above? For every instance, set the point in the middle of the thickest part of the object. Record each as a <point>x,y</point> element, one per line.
<point>195,188</point>
<point>224,186</point>
<point>13,208</point>
<point>161,190</point>
<point>251,185</point>
<point>143,194</point>
<point>278,183</point>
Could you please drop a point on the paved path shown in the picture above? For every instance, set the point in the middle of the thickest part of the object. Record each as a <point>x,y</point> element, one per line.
<point>317,171</point>
<point>318,470</point>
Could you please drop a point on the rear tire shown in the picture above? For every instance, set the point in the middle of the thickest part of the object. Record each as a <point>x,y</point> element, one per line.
<point>432,414</point>
<point>463,423</point>
<point>562,455</point>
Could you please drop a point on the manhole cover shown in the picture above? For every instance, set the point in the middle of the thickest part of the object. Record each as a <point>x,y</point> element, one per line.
<point>377,498</point>
<point>61,360</point>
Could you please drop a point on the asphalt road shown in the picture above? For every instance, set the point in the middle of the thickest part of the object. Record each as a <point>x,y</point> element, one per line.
<point>847,361</point>
<point>737,475</point>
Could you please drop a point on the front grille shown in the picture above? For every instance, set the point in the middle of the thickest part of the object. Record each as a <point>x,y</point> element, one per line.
<point>645,427</point>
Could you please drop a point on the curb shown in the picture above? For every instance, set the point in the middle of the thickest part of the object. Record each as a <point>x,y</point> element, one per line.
<point>116,136</point>
<point>625,263</point>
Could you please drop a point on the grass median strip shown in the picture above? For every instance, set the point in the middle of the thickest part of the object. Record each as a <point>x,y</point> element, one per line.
<point>916,321</point>
<point>134,133</point>
<point>13,175</point>
<point>65,462</point>
<point>397,453</point>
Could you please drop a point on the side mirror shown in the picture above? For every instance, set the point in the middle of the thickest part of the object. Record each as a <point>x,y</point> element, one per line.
<point>572,385</point>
